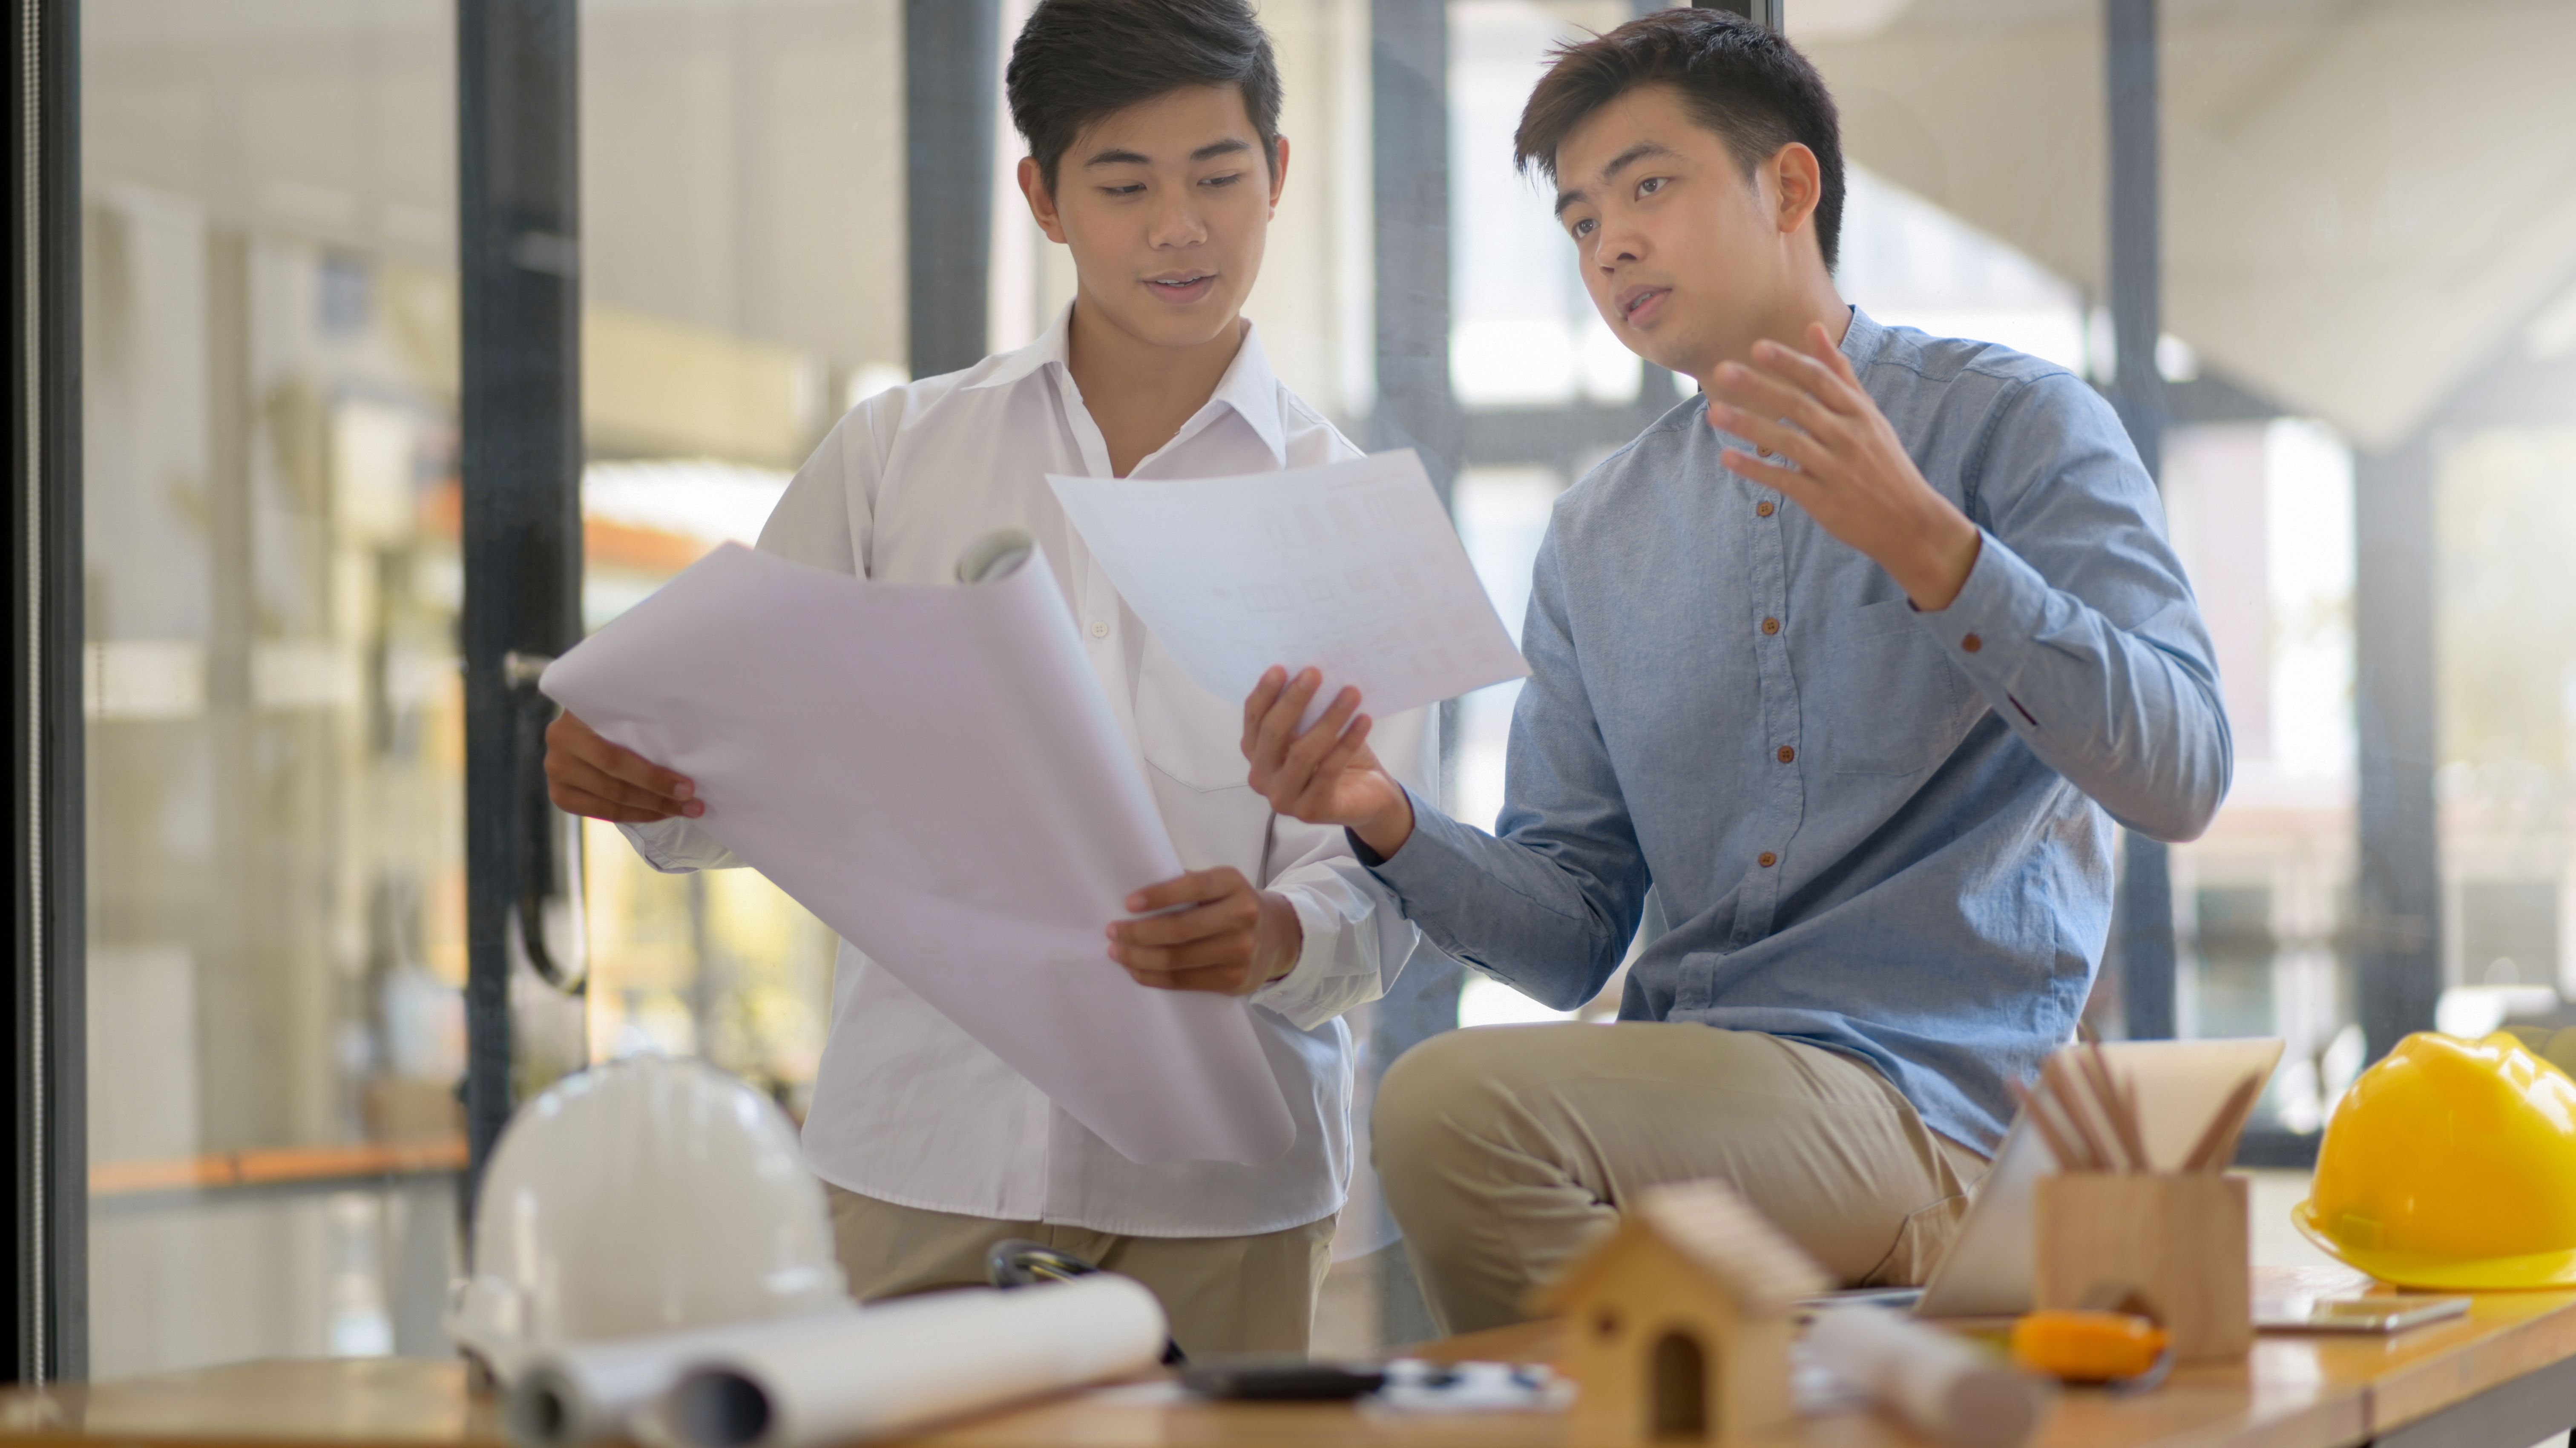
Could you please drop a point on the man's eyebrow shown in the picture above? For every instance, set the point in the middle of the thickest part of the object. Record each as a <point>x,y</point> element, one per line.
<point>1210,151</point>
<point>1621,162</point>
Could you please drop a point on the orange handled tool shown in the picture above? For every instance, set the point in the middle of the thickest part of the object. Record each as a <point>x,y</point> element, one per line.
<point>2087,1347</point>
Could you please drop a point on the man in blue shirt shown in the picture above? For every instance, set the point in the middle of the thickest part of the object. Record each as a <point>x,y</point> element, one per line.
<point>1853,661</point>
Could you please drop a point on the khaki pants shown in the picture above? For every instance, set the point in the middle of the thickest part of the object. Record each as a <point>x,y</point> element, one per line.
<point>1504,1151</point>
<point>1223,1294</point>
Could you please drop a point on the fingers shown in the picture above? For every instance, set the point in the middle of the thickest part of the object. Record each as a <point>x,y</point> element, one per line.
<point>1799,486</point>
<point>1235,911</point>
<point>578,786</point>
<point>1193,888</point>
<point>1232,979</point>
<point>1210,946</point>
<point>1279,726</point>
<point>583,761</point>
<point>1297,770</point>
<point>1771,398</point>
<point>1352,752</point>
<point>582,802</point>
<point>1820,344</point>
<point>1227,945</point>
<point>1828,384</point>
<point>1774,438</point>
<point>1265,694</point>
<point>1222,960</point>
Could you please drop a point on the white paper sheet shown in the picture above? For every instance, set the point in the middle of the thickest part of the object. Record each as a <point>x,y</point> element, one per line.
<point>899,1365</point>
<point>1350,568</point>
<point>937,775</point>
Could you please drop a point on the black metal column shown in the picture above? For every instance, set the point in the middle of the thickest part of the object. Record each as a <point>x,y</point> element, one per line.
<point>48,1324</point>
<point>2143,916</point>
<point>951,59</point>
<point>519,262</point>
<point>2398,898</point>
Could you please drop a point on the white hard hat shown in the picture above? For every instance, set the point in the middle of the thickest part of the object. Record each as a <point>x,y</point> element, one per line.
<point>641,1196</point>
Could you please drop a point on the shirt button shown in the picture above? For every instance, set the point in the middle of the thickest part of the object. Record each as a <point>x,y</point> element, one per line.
<point>1101,631</point>
<point>1766,859</point>
<point>1770,625</point>
<point>1762,509</point>
<point>1972,643</point>
<point>1787,754</point>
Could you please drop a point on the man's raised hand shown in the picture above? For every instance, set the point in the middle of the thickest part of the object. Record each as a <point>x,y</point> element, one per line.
<point>1326,775</point>
<point>587,775</point>
<point>1852,475</point>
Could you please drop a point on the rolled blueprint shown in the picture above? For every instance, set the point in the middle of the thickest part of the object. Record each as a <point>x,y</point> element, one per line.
<point>587,1392</point>
<point>901,1365</point>
<point>1936,1381</point>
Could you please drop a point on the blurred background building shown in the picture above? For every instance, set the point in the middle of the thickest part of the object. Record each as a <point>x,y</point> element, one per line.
<point>2369,354</point>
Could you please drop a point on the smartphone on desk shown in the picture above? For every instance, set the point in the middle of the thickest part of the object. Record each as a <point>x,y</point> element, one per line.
<point>1281,1380</point>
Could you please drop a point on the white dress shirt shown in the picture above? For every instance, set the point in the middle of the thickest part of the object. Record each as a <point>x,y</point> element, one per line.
<point>910,1109</point>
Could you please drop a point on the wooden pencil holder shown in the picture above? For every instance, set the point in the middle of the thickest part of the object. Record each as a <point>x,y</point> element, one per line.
<point>2172,1245</point>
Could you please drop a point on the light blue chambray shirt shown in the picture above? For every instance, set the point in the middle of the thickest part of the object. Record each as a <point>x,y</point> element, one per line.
<point>1875,829</point>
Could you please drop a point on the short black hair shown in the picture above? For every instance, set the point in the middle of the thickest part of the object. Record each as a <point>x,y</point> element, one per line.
<point>1079,60</point>
<point>1736,77</point>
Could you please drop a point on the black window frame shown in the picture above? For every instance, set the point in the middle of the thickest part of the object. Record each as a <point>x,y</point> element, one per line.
<point>48,1146</point>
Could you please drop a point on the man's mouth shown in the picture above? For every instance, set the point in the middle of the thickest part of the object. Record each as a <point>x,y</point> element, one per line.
<point>1183,287</point>
<point>1638,305</point>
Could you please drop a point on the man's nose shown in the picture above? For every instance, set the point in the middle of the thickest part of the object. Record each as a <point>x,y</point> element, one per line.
<point>1176,223</point>
<point>1616,247</point>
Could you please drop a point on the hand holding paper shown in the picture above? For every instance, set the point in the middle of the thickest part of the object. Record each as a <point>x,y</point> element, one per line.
<point>1326,775</point>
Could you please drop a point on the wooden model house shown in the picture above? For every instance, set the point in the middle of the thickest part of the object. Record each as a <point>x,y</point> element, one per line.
<point>1678,1326</point>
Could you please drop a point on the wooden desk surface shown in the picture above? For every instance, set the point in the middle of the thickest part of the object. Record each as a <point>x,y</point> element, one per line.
<point>2292,1392</point>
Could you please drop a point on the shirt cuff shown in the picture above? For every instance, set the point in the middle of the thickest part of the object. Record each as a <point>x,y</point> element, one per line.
<point>1301,993</point>
<point>676,846</point>
<point>1988,629</point>
<point>1434,864</point>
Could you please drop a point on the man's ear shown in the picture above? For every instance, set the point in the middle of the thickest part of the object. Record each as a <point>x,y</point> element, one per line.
<point>1798,182</point>
<point>1041,200</point>
<point>1278,172</point>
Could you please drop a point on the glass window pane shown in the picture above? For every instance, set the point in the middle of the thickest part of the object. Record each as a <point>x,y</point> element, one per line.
<point>273,716</point>
<point>743,284</point>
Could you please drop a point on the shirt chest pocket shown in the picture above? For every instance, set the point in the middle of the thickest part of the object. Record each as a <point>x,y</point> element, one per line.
<point>1884,700</point>
<point>1185,732</point>
<point>1192,743</point>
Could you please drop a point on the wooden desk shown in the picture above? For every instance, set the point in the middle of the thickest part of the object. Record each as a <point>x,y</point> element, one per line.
<point>2503,1378</point>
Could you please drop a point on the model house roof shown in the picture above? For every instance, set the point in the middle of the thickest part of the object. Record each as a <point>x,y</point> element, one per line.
<point>1720,1233</point>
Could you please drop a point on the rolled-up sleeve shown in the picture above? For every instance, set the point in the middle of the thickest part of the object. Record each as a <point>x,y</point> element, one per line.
<point>2076,623</point>
<point>677,846</point>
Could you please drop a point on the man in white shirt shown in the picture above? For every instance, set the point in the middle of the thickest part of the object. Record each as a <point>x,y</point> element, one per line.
<point>1155,159</point>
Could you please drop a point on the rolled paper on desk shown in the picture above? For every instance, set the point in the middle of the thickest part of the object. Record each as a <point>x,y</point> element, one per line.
<point>1934,1380</point>
<point>590,1391</point>
<point>900,1365</point>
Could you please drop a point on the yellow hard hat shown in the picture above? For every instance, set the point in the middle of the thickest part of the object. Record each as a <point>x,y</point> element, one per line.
<point>2451,1165</point>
